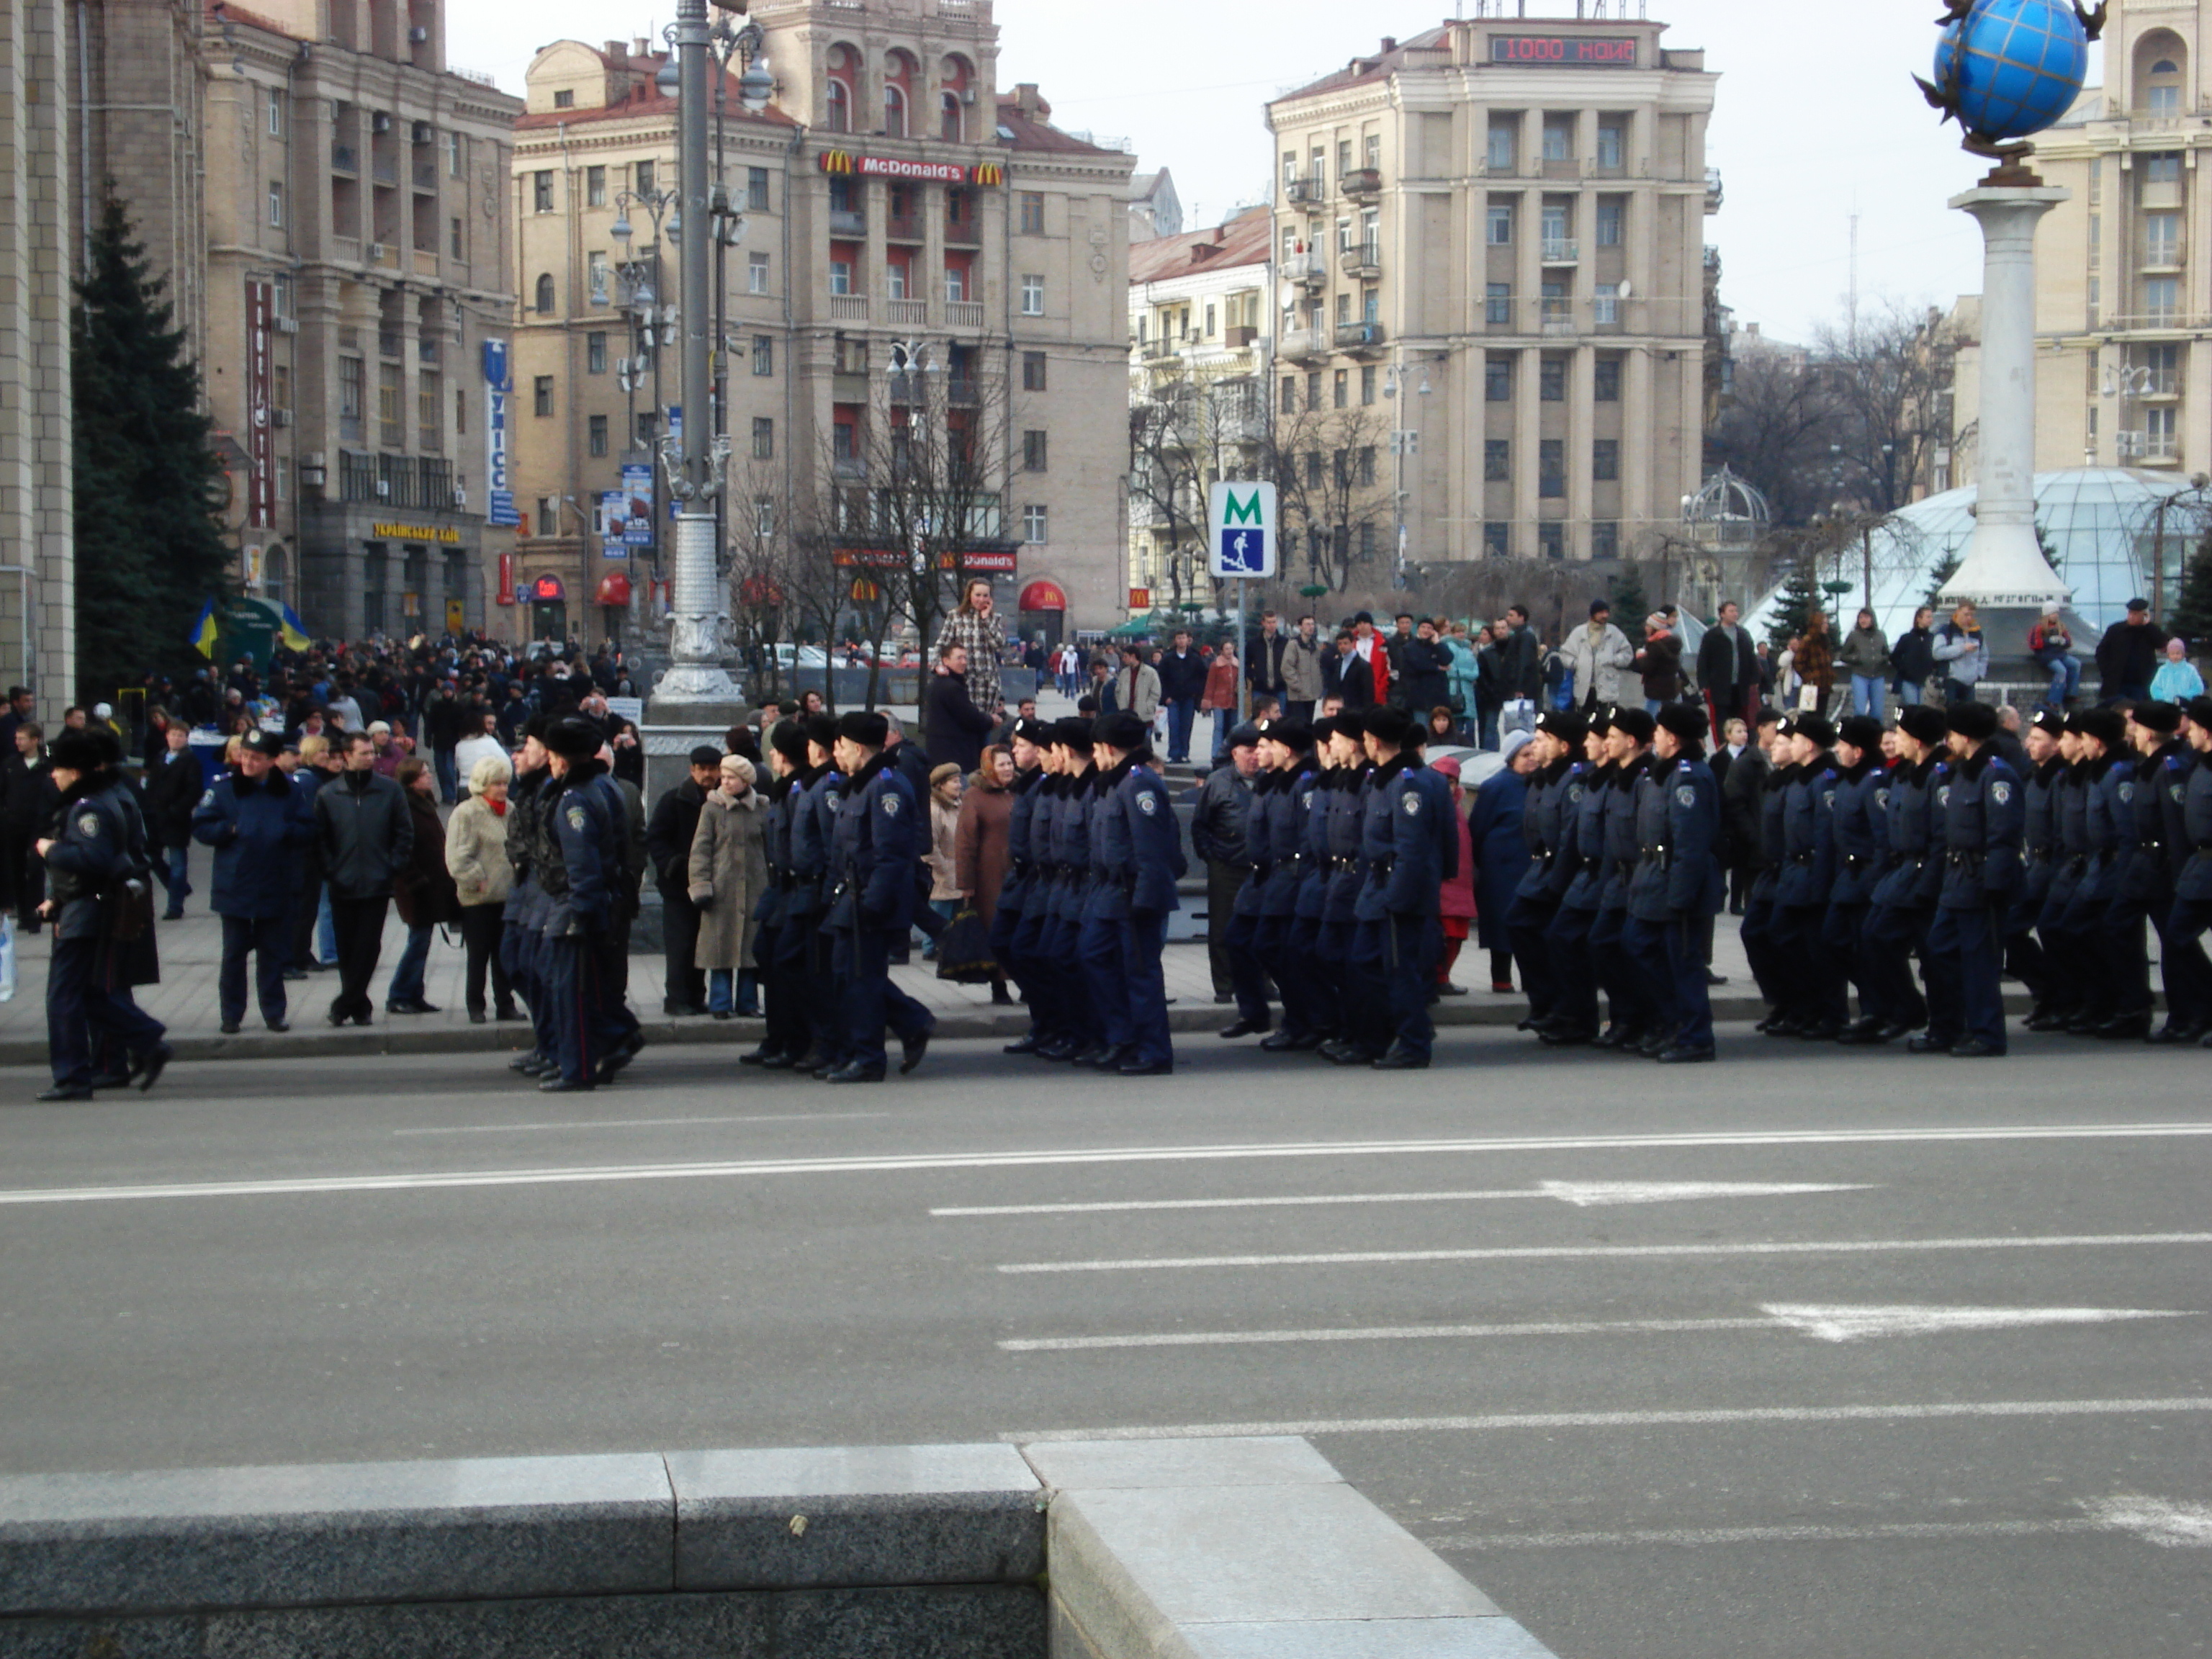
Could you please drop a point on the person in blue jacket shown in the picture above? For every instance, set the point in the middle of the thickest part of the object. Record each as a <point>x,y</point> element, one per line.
<point>257,820</point>
<point>1137,849</point>
<point>1501,852</point>
<point>2192,883</point>
<point>876,842</point>
<point>1677,882</point>
<point>1410,845</point>
<point>1983,807</point>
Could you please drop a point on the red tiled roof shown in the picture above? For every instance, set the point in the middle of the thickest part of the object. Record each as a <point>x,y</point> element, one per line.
<point>645,99</point>
<point>1361,69</point>
<point>222,11</point>
<point>1032,134</point>
<point>1245,240</point>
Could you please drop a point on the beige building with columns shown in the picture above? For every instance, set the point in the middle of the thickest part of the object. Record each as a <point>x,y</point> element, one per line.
<point>1506,212</point>
<point>893,194</point>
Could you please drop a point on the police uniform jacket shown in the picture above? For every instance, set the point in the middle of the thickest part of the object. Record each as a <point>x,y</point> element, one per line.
<point>1346,831</point>
<point>2195,881</point>
<point>256,829</point>
<point>1862,793</point>
<point>814,808</point>
<point>1284,810</point>
<point>1808,839</point>
<point>2149,877</point>
<point>1021,830</point>
<point>1678,831</point>
<point>874,850</point>
<point>581,852</point>
<point>1313,843</point>
<point>1071,843</point>
<point>1618,853</point>
<point>1912,875</point>
<point>1773,808</point>
<point>1259,845</point>
<point>2069,814</point>
<point>1399,843</point>
<point>100,842</point>
<point>1582,854</point>
<point>1983,805</point>
<point>526,797</point>
<point>1579,781</point>
<point>1139,844</point>
<point>2112,825</point>
<point>776,851</point>
<point>1097,902</point>
<point>1540,818</point>
<point>2038,833</point>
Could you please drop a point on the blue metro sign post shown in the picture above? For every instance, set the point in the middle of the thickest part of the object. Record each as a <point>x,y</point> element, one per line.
<point>1241,545</point>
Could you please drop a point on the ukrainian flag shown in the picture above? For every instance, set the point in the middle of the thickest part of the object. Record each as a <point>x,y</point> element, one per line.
<point>204,633</point>
<point>291,632</point>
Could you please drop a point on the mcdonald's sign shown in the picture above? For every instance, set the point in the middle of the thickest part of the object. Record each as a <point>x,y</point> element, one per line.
<point>988,173</point>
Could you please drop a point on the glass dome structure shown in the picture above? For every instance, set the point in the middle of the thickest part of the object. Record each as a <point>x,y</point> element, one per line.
<point>2100,522</point>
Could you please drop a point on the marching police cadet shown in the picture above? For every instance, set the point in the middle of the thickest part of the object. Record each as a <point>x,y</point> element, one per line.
<point>1677,881</point>
<point>1344,829</point>
<point>1630,1010</point>
<point>2073,959</point>
<point>871,915</point>
<point>1099,946</point>
<point>816,797</point>
<point>1861,799</point>
<point>1279,812</point>
<point>1139,859</point>
<point>99,897</point>
<point>1584,789</point>
<point>1819,1001</point>
<point>785,1040</point>
<point>2146,889</point>
<point>1323,986</point>
<point>1981,803</point>
<point>1056,1003</point>
<point>1020,882</point>
<point>1757,928</point>
<point>2192,881</point>
<point>1089,1044</point>
<point>1902,904</point>
<point>579,856</point>
<point>1410,846</point>
<point>1555,789</point>
<point>522,918</point>
<point>2025,957</point>
<point>1248,971</point>
<point>2119,1001</point>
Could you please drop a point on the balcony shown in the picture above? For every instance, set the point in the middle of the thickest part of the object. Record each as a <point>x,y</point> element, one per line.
<point>1359,338</point>
<point>389,344</point>
<point>1362,182</point>
<point>963,391</point>
<point>906,313</point>
<point>2159,256</point>
<point>1714,195</point>
<point>345,159</point>
<point>963,232</point>
<point>1310,193</point>
<point>1308,270</point>
<point>1558,251</point>
<point>848,222</point>
<point>426,352</point>
<point>385,169</point>
<point>1240,336</point>
<point>849,467</point>
<point>1558,328</point>
<point>903,227</point>
<point>2160,383</point>
<point>1153,350</point>
<point>1304,345</point>
<point>426,175</point>
<point>964,313</point>
<point>2175,321</point>
<point>1364,264</point>
<point>848,307</point>
<point>848,388</point>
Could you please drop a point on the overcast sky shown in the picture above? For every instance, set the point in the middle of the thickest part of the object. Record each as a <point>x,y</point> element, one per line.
<point>1816,115</point>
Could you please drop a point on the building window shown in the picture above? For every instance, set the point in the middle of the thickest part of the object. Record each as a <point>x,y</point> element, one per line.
<point>763,517</point>
<point>1340,392</point>
<point>1605,460</point>
<point>1610,145</point>
<point>1552,379</point>
<point>275,112</point>
<point>894,110</point>
<point>1605,306</point>
<point>1313,381</point>
<point>595,353</point>
<point>544,295</point>
<point>461,411</point>
<point>1031,221</point>
<point>1367,378</point>
<point>1604,539</point>
<point>1036,524</point>
<point>1033,296</point>
<point>1608,380</point>
<point>756,273</point>
<point>279,392</point>
<point>429,410</point>
<point>1034,451</point>
<point>595,187</point>
<point>841,275</point>
<point>1610,211</point>
<point>1033,374</point>
<point>1371,152</point>
<point>275,205</point>
<point>565,97</point>
<point>596,428</point>
<point>1499,223</point>
<point>1504,134</point>
<point>955,284</point>
<point>763,355</point>
<point>643,173</point>
<point>1362,465</point>
<point>1497,379</point>
<point>1496,461</point>
<point>1559,138</point>
<point>2161,238</point>
<point>456,155</point>
<point>756,190</point>
<point>392,433</point>
<point>1551,467</point>
<point>2161,298</point>
<point>1497,304</point>
<point>1497,538</point>
<point>457,235</point>
<point>1552,540</point>
<point>349,388</point>
<point>541,191</point>
<point>541,395</point>
<point>1313,469</point>
<point>1289,404</point>
<point>648,430</point>
<point>763,438</point>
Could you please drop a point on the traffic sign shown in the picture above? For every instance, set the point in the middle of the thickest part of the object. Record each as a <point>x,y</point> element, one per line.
<point>1241,541</point>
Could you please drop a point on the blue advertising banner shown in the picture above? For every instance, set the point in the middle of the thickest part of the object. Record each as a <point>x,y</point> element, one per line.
<point>499,489</point>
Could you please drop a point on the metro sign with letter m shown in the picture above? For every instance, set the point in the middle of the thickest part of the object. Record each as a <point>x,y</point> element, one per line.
<point>1241,541</point>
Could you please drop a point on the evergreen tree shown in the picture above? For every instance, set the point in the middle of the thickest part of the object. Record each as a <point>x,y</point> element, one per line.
<point>1800,597</point>
<point>1936,577</point>
<point>1630,607</point>
<point>2191,618</point>
<point>150,547</point>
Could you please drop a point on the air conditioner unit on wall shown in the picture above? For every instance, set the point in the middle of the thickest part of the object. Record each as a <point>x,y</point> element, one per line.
<point>461,498</point>
<point>419,35</point>
<point>288,325</point>
<point>422,133</point>
<point>280,417</point>
<point>380,122</point>
<point>376,253</point>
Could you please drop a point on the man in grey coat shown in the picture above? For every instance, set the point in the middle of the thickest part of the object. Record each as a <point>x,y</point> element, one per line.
<point>1598,656</point>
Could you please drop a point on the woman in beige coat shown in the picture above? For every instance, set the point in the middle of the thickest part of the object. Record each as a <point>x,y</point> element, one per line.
<point>729,871</point>
<point>475,858</point>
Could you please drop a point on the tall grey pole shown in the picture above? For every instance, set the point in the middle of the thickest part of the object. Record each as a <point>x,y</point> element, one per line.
<point>700,612</point>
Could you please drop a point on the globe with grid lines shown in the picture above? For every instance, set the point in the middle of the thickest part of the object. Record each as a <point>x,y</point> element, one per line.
<point>2012,67</point>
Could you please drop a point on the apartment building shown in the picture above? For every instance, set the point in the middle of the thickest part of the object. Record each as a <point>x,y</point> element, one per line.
<point>2122,309</point>
<point>1508,212</point>
<point>1199,385</point>
<point>899,211</point>
<point>358,297</point>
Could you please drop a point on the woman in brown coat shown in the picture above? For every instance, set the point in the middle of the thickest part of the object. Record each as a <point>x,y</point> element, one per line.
<point>728,871</point>
<point>424,893</point>
<point>979,841</point>
<point>1816,659</point>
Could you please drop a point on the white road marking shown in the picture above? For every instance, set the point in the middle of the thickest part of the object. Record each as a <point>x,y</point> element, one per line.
<point>1850,1324</point>
<point>641,1123</point>
<point>1585,1252</point>
<point>2175,1526</point>
<point>1654,1419</point>
<point>1582,1193</point>
<point>1693,1536</point>
<point>1828,1324</point>
<point>897,1163</point>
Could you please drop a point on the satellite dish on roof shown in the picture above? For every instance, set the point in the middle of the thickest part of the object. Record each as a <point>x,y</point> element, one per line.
<point>1623,290</point>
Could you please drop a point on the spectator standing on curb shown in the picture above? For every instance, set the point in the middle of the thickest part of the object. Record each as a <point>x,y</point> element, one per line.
<point>1913,658</point>
<point>1456,893</point>
<point>1424,670</point>
<point>1957,652</point>
<point>953,725</point>
<point>1812,656</point>
<point>423,890</point>
<point>2128,655</point>
<point>171,787</point>
<point>1865,656</point>
<point>2177,679</point>
<point>1136,685</point>
<point>363,828</point>
<point>977,626</point>
<point>1182,683</point>
<point>1728,669</point>
<point>980,847</point>
<point>1265,670</point>
<point>726,871</point>
<point>1596,656</point>
<point>475,858</point>
<point>1301,672</point>
<point>1500,849</point>
<point>1219,696</point>
<point>1659,663</point>
<point>669,833</point>
<point>253,819</point>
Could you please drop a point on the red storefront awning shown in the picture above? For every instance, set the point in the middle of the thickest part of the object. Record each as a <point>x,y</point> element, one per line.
<point>1044,596</point>
<point>614,589</point>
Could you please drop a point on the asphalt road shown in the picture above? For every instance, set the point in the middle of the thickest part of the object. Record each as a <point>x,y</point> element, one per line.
<point>1649,1408</point>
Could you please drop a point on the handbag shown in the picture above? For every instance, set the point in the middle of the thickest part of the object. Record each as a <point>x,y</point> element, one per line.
<point>1808,698</point>
<point>964,948</point>
<point>1456,702</point>
<point>7,958</point>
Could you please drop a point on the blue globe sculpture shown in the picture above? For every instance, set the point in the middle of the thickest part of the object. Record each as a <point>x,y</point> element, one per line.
<point>2011,68</point>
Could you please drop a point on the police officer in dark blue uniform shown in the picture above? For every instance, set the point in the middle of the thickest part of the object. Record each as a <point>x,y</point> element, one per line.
<point>1983,803</point>
<point>816,794</point>
<point>2073,962</point>
<point>1281,798</point>
<point>1902,906</point>
<point>1555,788</point>
<point>256,821</point>
<point>1583,790</point>
<point>1026,744</point>
<point>1240,941</point>
<point>1346,811</point>
<point>1630,1009</point>
<point>1757,930</point>
<point>1676,882</point>
<point>1140,858</point>
<point>2146,895</point>
<point>579,859</point>
<point>99,897</point>
<point>2192,883</point>
<point>522,932</point>
<point>1083,1043</point>
<point>1409,845</point>
<point>1817,999</point>
<point>785,1040</point>
<point>1857,825</point>
<point>2117,994</point>
<point>1324,979</point>
<point>1056,1000</point>
<point>2026,960</point>
<point>876,845</point>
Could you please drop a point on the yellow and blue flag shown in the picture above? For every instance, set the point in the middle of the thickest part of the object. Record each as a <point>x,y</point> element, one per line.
<point>291,632</point>
<point>204,633</point>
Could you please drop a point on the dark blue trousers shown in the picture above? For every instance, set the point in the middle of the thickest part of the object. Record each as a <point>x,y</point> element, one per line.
<point>1143,937</point>
<point>1627,1000</point>
<point>1294,983</point>
<point>2126,953</point>
<point>1891,936</point>
<point>265,938</point>
<point>1397,955</point>
<point>1248,975</point>
<point>1672,960</point>
<point>1758,935</point>
<point>2188,973</point>
<point>871,1001</point>
<point>1098,946</point>
<point>1063,945</point>
<point>85,999</point>
<point>1566,948</point>
<point>1324,976</point>
<point>1812,978</point>
<point>589,1020</point>
<point>1528,926</point>
<point>1044,976</point>
<point>1965,973</point>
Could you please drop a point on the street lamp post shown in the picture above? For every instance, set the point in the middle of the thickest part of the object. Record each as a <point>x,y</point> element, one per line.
<point>649,322</point>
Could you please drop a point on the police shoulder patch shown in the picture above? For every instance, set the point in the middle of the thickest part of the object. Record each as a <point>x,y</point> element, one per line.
<point>1306,801</point>
<point>830,798</point>
<point>1943,795</point>
<point>1880,799</point>
<point>88,824</point>
<point>1413,804</point>
<point>575,815</point>
<point>890,804</point>
<point>1828,798</point>
<point>2127,792</point>
<point>208,800</point>
<point>2001,792</point>
<point>1148,804</point>
<point>1686,796</point>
